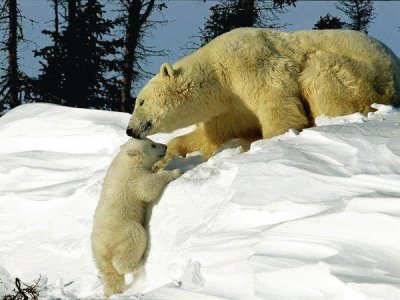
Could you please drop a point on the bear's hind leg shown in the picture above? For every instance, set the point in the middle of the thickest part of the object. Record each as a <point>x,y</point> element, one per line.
<point>128,254</point>
<point>113,281</point>
<point>336,85</point>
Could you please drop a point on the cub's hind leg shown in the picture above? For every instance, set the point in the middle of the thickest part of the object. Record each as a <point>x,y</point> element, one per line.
<point>113,281</point>
<point>128,253</point>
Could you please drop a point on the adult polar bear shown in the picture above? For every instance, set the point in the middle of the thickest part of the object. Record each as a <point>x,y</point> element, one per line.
<point>254,83</point>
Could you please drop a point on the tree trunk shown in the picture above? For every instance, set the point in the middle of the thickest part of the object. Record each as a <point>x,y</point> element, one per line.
<point>72,89</point>
<point>358,16</point>
<point>56,25</point>
<point>72,9</point>
<point>130,44</point>
<point>250,13</point>
<point>12,44</point>
<point>132,35</point>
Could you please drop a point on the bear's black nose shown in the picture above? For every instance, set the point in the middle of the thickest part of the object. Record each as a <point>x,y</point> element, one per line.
<point>129,132</point>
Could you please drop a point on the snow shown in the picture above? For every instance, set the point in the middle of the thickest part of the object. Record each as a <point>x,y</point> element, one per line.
<point>309,215</point>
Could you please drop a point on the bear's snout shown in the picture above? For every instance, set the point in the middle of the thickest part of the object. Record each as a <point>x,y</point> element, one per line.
<point>140,132</point>
<point>133,133</point>
<point>129,132</point>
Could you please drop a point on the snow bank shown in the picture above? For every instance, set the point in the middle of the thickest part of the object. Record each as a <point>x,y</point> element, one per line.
<point>313,215</point>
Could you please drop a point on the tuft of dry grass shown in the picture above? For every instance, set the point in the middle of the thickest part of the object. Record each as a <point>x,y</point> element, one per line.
<point>23,291</point>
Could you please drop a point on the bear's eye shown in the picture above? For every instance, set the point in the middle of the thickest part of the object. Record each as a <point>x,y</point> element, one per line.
<point>141,103</point>
<point>153,145</point>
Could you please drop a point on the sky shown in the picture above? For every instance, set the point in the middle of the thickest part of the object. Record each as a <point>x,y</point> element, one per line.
<point>187,16</point>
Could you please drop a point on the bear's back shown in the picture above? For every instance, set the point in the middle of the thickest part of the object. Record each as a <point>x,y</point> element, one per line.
<point>258,43</point>
<point>118,196</point>
<point>353,44</point>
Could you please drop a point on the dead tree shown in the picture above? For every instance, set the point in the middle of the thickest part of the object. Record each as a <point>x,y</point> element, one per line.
<point>135,21</point>
<point>10,25</point>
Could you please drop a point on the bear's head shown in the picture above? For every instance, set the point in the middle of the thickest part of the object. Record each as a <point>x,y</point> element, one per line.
<point>172,99</point>
<point>143,151</point>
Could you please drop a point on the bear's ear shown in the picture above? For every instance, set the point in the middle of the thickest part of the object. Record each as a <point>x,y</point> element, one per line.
<point>167,70</point>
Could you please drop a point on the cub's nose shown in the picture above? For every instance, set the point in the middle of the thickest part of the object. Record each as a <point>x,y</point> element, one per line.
<point>129,132</point>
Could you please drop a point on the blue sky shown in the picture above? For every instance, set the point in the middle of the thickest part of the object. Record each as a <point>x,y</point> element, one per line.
<point>187,16</point>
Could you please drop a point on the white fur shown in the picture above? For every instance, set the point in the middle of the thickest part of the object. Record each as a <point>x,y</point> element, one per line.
<point>119,239</point>
<point>254,83</point>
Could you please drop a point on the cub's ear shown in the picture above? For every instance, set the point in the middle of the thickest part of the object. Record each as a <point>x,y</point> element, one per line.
<point>167,70</point>
<point>132,152</point>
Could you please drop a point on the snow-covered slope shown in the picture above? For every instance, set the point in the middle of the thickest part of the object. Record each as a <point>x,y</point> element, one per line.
<point>314,215</point>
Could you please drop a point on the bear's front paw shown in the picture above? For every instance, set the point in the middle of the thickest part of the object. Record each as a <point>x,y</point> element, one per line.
<point>159,165</point>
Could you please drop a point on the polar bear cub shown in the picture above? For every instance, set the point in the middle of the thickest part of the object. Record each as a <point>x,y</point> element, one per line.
<point>119,239</point>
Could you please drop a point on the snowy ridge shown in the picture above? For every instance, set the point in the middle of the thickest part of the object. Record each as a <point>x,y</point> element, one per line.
<point>310,215</point>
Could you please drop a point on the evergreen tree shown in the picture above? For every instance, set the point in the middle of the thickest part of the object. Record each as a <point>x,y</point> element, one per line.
<point>360,12</point>
<point>282,3</point>
<point>11,30</point>
<point>48,87</point>
<point>230,14</point>
<point>76,68</point>
<point>329,22</point>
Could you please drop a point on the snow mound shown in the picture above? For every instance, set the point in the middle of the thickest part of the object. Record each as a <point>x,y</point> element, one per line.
<point>310,215</point>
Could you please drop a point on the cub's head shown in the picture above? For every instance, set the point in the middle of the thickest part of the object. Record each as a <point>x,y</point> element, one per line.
<point>166,103</point>
<point>143,151</point>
